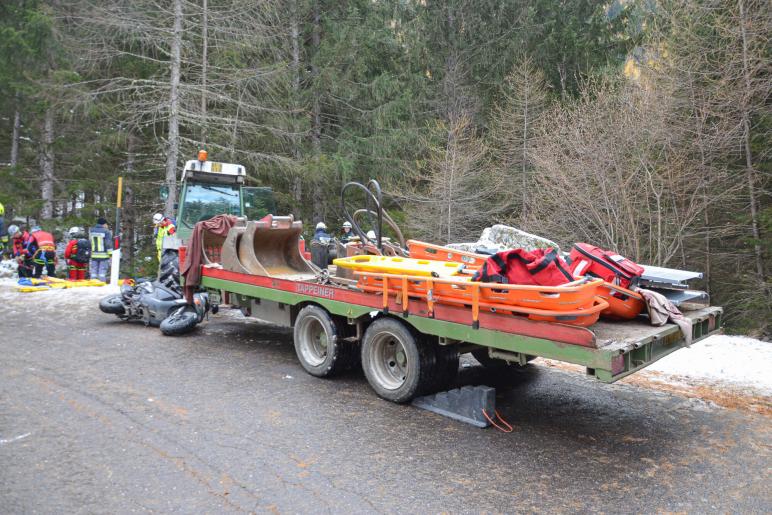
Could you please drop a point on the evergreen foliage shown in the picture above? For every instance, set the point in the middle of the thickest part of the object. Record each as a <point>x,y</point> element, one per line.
<point>635,124</point>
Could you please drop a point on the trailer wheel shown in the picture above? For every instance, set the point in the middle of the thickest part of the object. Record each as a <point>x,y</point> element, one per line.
<point>397,364</point>
<point>319,343</point>
<point>446,367</point>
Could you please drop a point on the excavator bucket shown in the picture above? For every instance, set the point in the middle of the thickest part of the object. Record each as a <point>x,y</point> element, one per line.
<point>267,247</point>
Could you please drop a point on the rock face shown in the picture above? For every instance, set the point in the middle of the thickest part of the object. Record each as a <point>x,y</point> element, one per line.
<point>504,237</point>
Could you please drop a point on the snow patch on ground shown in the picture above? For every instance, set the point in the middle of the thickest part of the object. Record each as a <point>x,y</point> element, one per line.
<point>737,361</point>
<point>8,268</point>
<point>63,299</point>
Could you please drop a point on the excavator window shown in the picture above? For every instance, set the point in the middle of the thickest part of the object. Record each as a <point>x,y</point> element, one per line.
<point>203,201</point>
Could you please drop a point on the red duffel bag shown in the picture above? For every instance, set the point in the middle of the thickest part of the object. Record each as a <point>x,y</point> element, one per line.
<point>540,267</point>
<point>589,260</point>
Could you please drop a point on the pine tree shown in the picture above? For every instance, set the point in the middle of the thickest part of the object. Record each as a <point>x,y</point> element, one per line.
<point>514,120</point>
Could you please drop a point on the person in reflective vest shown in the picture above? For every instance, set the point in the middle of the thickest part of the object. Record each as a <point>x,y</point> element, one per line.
<point>101,249</point>
<point>3,233</point>
<point>19,242</point>
<point>42,248</point>
<point>164,226</point>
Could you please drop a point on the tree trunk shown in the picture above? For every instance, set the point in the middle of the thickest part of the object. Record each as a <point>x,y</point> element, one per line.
<point>316,113</point>
<point>173,147</point>
<point>750,175</point>
<point>46,157</point>
<point>127,242</point>
<point>204,49</point>
<point>523,170</point>
<point>16,133</point>
<point>562,73</point>
<point>297,179</point>
<point>316,117</point>
<point>129,219</point>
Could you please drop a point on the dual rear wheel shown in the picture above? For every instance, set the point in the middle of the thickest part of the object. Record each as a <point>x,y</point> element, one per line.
<point>399,364</point>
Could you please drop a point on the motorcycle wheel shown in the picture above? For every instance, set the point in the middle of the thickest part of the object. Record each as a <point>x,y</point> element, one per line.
<point>181,321</point>
<point>112,304</point>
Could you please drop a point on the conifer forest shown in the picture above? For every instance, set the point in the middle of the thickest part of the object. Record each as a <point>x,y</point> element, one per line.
<point>642,126</point>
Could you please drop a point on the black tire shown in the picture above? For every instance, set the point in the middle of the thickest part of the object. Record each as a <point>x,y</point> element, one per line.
<point>397,363</point>
<point>112,304</point>
<point>169,270</point>
<point>446,368</point>
<point>319,343</point>
<point>180,321</point>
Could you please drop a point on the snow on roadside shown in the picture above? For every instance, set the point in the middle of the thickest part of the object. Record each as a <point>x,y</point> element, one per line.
<point>737,361</point>
<point>730,371</point>
<point>84,297</point>
<point>8,268</point>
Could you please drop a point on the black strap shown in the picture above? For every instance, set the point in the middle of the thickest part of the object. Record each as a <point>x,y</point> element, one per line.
<point>545,262</point>
<point>482,275</point>
<point>552,257</point>
<point>516,255</point>
<point>563,271</point>
<point>610,265</point>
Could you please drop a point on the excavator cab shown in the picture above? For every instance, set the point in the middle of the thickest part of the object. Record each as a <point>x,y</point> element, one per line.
<point>211,188</point>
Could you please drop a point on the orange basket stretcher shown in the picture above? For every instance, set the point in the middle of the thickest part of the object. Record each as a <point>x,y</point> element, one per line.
<point>623,304</point>
<point>575,303</point>
<point>422,250</point>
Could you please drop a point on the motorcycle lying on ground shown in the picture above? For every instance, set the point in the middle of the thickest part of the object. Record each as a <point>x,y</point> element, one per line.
<point>157,305</point>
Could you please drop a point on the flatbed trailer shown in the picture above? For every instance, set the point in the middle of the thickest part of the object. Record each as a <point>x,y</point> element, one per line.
<point>409,348</point>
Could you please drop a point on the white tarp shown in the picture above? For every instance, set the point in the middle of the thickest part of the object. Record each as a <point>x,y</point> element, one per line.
<point>504,237</point>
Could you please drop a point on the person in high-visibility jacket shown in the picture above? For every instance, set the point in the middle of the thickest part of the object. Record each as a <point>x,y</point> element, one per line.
<point>42,247</point>
<point>101,240</point>
<point>3,233</point>
<point>163,227</point>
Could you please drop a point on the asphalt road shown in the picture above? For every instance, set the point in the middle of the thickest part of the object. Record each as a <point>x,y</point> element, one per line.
<point>100,416</point>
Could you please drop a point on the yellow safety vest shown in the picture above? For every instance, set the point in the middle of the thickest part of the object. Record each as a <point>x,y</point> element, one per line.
<point>162,231</point>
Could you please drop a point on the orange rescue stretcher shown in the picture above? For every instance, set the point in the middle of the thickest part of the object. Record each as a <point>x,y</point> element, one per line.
<point>576,303</point>
<point>623,304</point>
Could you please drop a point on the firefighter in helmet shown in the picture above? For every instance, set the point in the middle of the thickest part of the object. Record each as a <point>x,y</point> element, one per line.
<point>164,226</point>
<point>19,240</point>
<point>42,248</point>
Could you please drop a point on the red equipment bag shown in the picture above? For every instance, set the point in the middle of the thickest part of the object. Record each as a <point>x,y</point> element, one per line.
<point>593,261</point>
<point>540,267</point>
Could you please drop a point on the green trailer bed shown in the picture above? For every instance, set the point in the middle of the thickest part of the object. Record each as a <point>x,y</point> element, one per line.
<point>609,350</point>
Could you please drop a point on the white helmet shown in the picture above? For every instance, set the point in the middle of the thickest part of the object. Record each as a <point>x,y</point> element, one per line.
<point>321,225</point>
<point>12,230</point>
<point>158,218</point>
<point>371,235</point>
<point>74,231</point>
<point>347,225</point>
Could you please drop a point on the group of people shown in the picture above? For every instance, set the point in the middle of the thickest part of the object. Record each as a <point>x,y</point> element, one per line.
<point>87,254</point>
<point>86,251</point>
<point>321,234</point>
